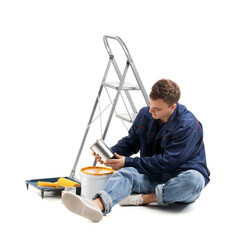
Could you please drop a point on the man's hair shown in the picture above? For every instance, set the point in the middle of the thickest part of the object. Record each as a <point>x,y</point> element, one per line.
<point>166,90</point>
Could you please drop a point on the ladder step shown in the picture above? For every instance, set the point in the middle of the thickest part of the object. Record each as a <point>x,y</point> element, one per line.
<point>125,116</point>
<point>126,85</point>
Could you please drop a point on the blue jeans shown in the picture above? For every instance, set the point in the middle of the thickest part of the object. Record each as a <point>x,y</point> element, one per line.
<point>184,187</point>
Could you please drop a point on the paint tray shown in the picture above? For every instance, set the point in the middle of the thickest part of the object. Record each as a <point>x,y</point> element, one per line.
<point>42,189</point>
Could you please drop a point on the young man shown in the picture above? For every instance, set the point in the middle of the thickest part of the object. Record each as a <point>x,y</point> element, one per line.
<point>172,164</point>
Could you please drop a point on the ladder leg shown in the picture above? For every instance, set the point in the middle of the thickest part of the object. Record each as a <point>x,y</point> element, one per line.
<point>111,114</point>
<point>115,100</point>
<point>72,174</point>
<point>137,76</point>
<point>85,136</point>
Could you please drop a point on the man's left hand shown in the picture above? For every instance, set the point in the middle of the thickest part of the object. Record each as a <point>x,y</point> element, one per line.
<point>116,164</point>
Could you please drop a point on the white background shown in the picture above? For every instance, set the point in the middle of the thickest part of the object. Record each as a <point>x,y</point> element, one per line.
<point>52,60</point>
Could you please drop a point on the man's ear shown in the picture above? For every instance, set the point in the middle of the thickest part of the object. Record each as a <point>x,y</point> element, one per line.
<point>173,106</point>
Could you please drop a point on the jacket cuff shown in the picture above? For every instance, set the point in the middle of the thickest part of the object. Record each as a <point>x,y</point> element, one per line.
<point>129,162</point>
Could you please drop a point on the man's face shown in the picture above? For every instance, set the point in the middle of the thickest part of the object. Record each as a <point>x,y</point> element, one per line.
<point>160,109</point>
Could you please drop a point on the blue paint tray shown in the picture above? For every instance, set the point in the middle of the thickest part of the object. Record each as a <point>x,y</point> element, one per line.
<point>42,189</point>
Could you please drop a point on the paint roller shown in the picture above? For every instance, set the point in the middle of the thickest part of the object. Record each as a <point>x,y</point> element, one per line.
<point>62,182</point>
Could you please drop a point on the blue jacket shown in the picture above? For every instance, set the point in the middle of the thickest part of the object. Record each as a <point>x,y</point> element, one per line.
<point>177,146</point>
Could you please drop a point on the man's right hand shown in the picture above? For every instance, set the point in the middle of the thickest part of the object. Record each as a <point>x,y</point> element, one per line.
<point>97,158</point>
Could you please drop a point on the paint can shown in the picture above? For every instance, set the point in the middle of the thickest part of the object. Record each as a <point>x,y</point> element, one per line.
<point>93,180</point>
<point>102,150</point>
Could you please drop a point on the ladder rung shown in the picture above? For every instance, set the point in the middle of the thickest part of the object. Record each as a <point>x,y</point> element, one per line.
<point>125,116</point>
<point>126,85</point>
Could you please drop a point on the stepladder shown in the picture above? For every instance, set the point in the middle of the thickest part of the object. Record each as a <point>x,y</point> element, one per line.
<point>120,86</point>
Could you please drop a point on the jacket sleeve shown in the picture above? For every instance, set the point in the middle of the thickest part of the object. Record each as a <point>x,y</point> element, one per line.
<point>179,150</point>
<point>130,144</point>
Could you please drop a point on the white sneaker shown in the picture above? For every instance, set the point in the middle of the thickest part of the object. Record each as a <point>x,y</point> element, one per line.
<point>82,206</point>
<point>132,200</point>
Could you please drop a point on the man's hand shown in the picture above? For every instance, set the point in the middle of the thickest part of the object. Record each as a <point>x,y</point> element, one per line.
<point>97,158</point>
<point>116,164</point>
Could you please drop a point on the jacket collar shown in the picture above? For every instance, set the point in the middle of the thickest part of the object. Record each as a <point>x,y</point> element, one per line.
<point>168,126</point>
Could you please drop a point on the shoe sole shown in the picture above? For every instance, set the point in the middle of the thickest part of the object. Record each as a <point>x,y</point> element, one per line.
<point>80,207</point>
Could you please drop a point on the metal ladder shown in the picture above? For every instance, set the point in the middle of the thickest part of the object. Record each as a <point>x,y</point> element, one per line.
<point>118,86</point>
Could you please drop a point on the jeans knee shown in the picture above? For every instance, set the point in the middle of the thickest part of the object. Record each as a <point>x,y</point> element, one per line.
<point>126,172</point>
<point>194,180</point>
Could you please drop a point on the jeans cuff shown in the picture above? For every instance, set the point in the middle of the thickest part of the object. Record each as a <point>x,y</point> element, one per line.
<point>106,200</point>
<point>159,194</point>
